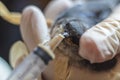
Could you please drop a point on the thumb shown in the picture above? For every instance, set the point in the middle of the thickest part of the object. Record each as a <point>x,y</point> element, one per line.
<point>93,47</point>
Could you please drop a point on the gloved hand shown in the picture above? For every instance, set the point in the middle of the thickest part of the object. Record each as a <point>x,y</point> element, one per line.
<point>56,7</point>
<point>33,27</point>
<point>102,42</point>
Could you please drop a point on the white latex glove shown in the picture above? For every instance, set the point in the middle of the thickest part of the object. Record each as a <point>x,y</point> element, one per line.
<point>102,42</point>
<point>33,27</point>
<point>55,7</point>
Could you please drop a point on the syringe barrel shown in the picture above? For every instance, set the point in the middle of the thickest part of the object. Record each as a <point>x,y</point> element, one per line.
<point>32,66</point>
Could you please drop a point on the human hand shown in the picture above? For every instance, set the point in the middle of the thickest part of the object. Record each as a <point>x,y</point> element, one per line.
<point>102,42</point>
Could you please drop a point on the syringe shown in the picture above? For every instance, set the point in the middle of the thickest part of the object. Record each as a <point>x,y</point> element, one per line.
<point>36,62</point>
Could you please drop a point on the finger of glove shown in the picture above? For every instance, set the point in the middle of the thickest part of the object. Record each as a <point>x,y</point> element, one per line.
<point>100,43</point>
<point>33,27</point>
<point>55,7</point>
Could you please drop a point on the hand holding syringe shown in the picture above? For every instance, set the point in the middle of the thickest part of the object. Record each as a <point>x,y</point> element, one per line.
<point>34,31</point>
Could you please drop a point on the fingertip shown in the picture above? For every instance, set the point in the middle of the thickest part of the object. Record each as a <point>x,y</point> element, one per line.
<point>89,49</point>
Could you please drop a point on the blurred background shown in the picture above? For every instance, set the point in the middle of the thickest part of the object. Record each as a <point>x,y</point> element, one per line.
<point>10,33</point>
